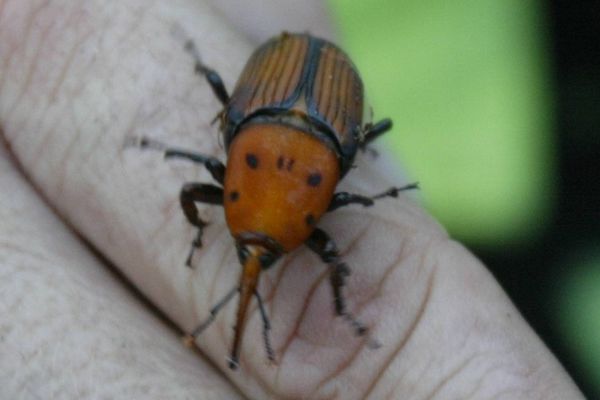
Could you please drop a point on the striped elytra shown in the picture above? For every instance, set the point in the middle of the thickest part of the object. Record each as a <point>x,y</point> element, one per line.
<point>306,82</point>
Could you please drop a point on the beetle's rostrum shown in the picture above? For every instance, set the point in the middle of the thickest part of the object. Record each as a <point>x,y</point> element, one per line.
<point>291,127</point>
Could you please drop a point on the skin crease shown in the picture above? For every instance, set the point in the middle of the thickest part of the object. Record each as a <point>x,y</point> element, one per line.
<point>75,79</point>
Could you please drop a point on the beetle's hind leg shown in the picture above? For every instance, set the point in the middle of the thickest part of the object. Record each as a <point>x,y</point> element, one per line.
<point>189,195</point>
<point>325,247</point>
<point>373,131</point>
<point>213,313</point>
<point>212,77</point>
<point>342,199</point>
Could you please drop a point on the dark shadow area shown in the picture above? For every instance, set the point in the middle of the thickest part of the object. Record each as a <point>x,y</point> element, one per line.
<point>531,273</point>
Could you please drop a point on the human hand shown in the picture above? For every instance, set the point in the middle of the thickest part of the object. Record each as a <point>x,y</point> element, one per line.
<point>76,79</point>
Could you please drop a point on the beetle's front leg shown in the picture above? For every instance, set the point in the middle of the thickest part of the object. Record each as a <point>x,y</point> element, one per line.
<point>325,247</point>
<point>342,199</point>
<point>266,326</point>
<point>212,164</point>
<point>203,193</point>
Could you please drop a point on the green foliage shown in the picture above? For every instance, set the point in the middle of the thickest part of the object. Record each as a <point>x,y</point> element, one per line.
<point>466,84</point>
<point>579,319</point>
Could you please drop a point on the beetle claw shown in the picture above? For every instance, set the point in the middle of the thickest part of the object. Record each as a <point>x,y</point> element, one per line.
<point>233,363</point>
<point>196,244</point>
<point>373,344</point>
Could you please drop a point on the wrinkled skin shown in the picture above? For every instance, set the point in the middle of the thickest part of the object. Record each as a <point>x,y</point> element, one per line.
<point>81,216</point>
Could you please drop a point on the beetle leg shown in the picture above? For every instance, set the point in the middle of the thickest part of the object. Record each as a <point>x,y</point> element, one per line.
<point>325,247</point>
<point>266,326</point>
<point>374,131</point>
<point>213,313</point>
<point>342,199</point>
<point>212,164</point>
<point>212,77</point>
<point>394,191</point>
<point>203,193</point>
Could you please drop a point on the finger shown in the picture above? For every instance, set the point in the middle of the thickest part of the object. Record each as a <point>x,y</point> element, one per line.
<point>462,338</point>
<point>59,102</point>
<point>66,119</point>
<point>69,327</point>
<point>126,206</point>
<point>66,124</point>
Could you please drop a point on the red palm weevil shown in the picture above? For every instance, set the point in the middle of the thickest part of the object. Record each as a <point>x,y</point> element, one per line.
<point>291,129</point>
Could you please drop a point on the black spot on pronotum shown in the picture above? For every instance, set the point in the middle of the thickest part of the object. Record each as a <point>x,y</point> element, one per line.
<point>252,160</point>
<point>280,162</point>
<point>310,220</point>
<point>314,179</point>
<point>233,196</point>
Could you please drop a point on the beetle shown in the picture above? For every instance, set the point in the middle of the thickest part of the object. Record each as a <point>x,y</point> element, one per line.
<point>291,127</point>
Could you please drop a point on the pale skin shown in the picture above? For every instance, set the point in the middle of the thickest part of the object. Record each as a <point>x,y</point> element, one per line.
<point>76,78</point>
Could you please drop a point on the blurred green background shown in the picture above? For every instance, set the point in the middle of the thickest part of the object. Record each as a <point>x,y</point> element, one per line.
<point>493,109</point>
